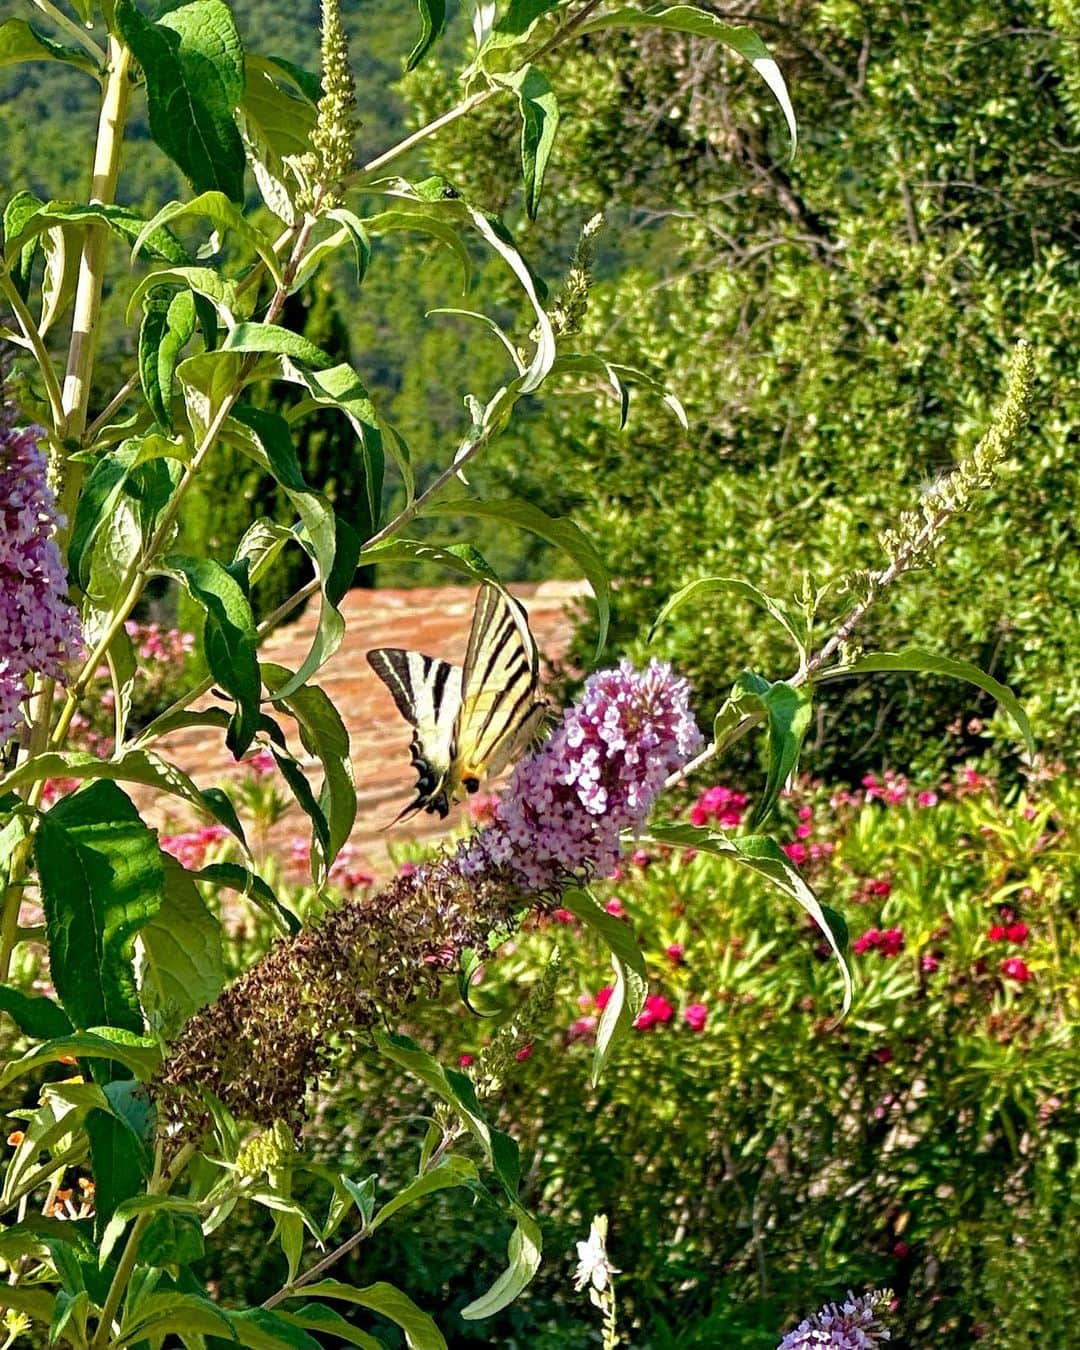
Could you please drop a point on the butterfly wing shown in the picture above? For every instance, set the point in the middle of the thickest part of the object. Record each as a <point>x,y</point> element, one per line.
<point>427,692</point>
<point>500,711</point>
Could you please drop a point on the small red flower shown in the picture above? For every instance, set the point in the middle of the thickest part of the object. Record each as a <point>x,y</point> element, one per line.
<point>1017,932</point>
<point>603,996</point>
<point>615,906</point>
<point>524,1052</point>
<point>464,1061</point>
<point>564,916</point>
<point>870,939</point>
<point>797,853</point>
<point>883,1055</point>
<point>892,942</point>
<point>1016,969</point>
<point>674,953</point>
<point>696,1015</point>
<point>998,933</point>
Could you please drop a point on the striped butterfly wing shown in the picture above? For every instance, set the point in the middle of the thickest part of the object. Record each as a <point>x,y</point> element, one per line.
<point>500,711</point>
<point>427,692</point>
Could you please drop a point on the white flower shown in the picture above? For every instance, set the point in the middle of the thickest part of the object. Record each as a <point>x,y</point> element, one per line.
<point>593,1265</point>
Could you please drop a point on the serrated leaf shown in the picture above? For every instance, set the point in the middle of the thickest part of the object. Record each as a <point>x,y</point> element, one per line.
<point>181,966</point>
<point>101,881</point>
<point>699,22</point>
<point>194,68</point>
<point>523,1254</point>
<point>557,530</point>
<point>539,123</point>
<point>915,660</point>
<point>631,980</point>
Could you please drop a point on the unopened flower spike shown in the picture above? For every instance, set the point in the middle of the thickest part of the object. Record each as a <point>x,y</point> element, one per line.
<point>333,140</point>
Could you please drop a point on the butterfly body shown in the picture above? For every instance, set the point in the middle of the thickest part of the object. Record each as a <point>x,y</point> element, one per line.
<point>468,722</point>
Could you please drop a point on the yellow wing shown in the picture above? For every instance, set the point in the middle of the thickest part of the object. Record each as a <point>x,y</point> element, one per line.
<point>500,708</point>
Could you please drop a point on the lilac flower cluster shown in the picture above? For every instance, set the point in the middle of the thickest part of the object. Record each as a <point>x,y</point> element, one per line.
<point>39,629</point>
<point>596,776</point>
<point>854,1324</point>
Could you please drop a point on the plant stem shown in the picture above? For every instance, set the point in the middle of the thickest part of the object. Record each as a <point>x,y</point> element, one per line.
<point>309,1276</point>
<point>117,401</point>
<point>35,341</point>
<point>73,30</point>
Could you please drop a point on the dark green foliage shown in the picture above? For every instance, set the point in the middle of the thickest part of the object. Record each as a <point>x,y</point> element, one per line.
<point>837,327</point>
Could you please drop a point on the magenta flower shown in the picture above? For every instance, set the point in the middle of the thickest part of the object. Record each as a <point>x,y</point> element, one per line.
<point>656,1011</point>
<point>562,816</point>
<point>721,805</point>
<point>675,953</point>
<point>261,763</point>
<point>854,1324</point>
<point>39,628</point>
<point>603,996</point>
<point>1016,969</point>
<point>695,1015</point>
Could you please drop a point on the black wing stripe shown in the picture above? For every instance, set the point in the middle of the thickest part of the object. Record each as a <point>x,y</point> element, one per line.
<point>490,738</point>
<point>391,664</point>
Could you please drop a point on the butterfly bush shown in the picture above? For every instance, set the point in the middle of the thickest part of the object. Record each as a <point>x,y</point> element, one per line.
<point>39,628</point>
<point>854,1324</point>
<point>596,777</point>
<point>272,1032</point>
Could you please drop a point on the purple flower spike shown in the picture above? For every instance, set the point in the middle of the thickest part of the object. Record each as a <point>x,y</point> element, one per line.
<point>854,1324</point>
<point>39,628</point>
<point>598,775</point>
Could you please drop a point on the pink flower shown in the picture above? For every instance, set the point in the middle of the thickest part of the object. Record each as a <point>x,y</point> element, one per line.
<point>190,849</point>
<point>1016,969</point>
<point>1017,932</point>
<point>926,799</point>
<point>603,996</point>
<point>656,1010</point>
<point>584,1029</point>
<point>803,831</point>
<point>797,853</point>
<point>615,906</point>
<point>721,805</point>
<point>261,763</point>
<point>892,942</point>
<point>640,858</point>
<point>564,916</point>
<point>696,1015</point>
<point>464,1061</point>
<point>880,888</point>
<point>406,869</point>
<point>481,806</point>
<point>806,812</point>
<point>870,939</point>
<point>998,932</point>
<point>674,953</point>
<point>524,1052</point>
<point>928,963</point>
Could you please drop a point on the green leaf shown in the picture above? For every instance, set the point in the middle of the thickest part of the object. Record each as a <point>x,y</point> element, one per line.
<point>260,1329</point>
<point>194,67</point>
<point>120,1139</point>
<point>421,1333</point>
<point>517,23</point>
<point>203,282</point>
<point>523,1253</point>
<point>695,591</point>
<point>266,438</point>
<point>317,1317</point>
<point>690,19</point>
<point>229,639</point>
<point>274,123</point>
<point>21,41</point>
<point>171,1239</point>
<point>432,23</point>
<point>427,221</point>
<point>557,530</point>
<point>124,222</point>
<point>539,123</point>
<point>140,1054</point>
<point>269,337</point>
<point>451,1172</point>
<point>764,855</point>
<point>70,1309</point>
<point>20,240</point>
<point>101,881</point>
<point>631,980</point>
<point>133,766</point>
<point>460,558</point>
<point>40,1018</point>
<point>457,1090</point>
<point>52,1128</point>
<point>615,377</point>
<point>221,213</point>
<point>156,1315</point>
<point>914,659</point>
<point>497,236</point>
<point>788,712</point>
<point>182,966</point>
<point>324,735</point>
<point>251,887</point>
<point>131,1209</point>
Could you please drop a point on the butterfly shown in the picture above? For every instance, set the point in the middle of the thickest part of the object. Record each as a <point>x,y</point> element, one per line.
<point>469,722</point>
